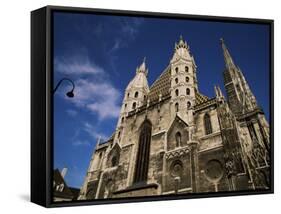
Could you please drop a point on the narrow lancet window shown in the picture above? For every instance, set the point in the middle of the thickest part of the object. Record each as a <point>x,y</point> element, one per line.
<point>142,160</point>
<point>207,124</point>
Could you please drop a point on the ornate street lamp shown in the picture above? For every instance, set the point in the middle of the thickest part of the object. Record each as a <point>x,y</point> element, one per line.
<point>69,93</point>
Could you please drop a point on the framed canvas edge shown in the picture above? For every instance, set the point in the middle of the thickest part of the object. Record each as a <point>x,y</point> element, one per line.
<point>49,106</point>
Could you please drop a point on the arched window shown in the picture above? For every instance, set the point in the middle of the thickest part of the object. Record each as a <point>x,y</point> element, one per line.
<point>119,134</point>
<point>187,91</point>
<point>186,79</point>
<point>178,139</point>
<point>177,107</point>
<point>61,187</point>
<point>128,94</point>
<point>114,161</point>
<point>122,120</point>
<point>144,97</point>
<point>188,105</point>
<point>99,160</point>
<point>176,80</point>
<point>186,68</point>
<point>142,160</point>
<point>187,135</point>
<point>136,94</point>
<point>125,105</point>
<point>177,92</point>
<point>134,105</point>
<point>207,124</point>
<point>177,70</point>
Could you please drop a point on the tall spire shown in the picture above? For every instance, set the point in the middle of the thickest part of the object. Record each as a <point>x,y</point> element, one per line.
<point>142,67</point>
<point>227,57</point>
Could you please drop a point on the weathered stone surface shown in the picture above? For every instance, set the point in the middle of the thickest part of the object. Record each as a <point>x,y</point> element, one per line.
<point>183,157</point>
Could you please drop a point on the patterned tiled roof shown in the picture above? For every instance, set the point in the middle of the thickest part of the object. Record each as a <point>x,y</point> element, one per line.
<point>200,98</point>
<point>161,86</point>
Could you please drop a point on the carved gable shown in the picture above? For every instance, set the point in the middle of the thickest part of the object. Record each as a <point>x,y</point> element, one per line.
<point>114,156</point>
<point>178,134</point>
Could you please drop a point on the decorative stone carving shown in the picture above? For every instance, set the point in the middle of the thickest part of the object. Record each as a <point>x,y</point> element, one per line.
<point>177,152</point>
<point>214,170</point>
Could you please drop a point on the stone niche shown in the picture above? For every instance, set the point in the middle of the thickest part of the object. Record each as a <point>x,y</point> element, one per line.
<point>212,175</point>
<point>178,128</point>
<point>178,172</point>
<point>92,189</point>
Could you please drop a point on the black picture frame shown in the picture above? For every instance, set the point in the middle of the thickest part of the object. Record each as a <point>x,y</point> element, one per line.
<point>42,104</point>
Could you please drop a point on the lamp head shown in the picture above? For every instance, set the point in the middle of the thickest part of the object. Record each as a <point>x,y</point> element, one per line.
<point>70,94</point>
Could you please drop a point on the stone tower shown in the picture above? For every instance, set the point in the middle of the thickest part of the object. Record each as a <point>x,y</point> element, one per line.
<point>134,97</point>
<point>250,121</point>
<point>183,82</point>
<point>240,97</point>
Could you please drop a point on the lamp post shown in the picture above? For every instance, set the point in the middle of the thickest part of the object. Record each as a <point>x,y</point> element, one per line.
<point>69,93</point>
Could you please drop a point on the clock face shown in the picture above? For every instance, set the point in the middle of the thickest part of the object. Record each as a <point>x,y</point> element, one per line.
<point>214,170</point>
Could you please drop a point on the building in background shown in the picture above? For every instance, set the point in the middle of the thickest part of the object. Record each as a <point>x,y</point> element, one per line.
<point>61,192</point>
<point>171,139</point>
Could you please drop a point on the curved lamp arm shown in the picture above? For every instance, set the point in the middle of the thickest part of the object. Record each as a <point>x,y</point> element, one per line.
<point>70,93</point>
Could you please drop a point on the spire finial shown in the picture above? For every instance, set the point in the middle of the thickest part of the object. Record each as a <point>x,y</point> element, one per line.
<point>227,57</point>
<point>142,67</point>
<point>181,43</point>
<point>99,140</point>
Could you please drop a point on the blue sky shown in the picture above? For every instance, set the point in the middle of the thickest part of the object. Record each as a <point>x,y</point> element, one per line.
<point>100,54</point>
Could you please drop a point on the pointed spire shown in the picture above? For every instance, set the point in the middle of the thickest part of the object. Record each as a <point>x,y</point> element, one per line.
<point>218,93</point>
<point>227,57</point>
<point>99,140</point>
<point>181,43</point>
<point>181,39</point>
<point>63,172</point>
<point>142,67</point>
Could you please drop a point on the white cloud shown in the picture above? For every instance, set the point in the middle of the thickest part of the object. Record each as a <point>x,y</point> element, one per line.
<point>71,112</point>
<point>98,97</point>
<point>91,130</point>
<point>93,90</point>
<point>116,45</point>
<point>130,27</point>
<point>128,30</point>
<point>81,143</point>
<point>76,65</point>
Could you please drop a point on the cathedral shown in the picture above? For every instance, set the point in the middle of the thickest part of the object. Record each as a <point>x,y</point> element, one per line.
<point>171,139</point>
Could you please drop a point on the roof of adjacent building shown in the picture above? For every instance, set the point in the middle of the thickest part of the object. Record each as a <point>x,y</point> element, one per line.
<point>67,192</point>
<point>75,192</point>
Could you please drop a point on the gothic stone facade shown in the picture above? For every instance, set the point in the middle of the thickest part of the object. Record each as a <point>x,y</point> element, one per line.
<point>171,139</point>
